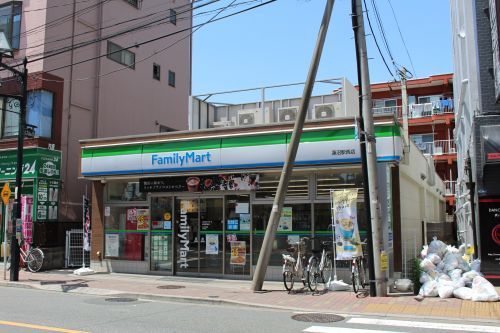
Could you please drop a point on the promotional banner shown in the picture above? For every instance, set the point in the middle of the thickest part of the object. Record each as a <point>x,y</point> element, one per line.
<point>345,218</point>
<point>489,219</point>
<point>86,224</point>
<point>200,183</point>
<point>27,218</point>
<point>212,244</point>
<point>238,253</point>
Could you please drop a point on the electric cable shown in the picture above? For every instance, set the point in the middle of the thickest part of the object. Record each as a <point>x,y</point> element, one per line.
<point>401,35</point>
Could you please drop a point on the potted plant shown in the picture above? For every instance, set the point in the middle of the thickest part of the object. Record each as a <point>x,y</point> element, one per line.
<point>416,275</point>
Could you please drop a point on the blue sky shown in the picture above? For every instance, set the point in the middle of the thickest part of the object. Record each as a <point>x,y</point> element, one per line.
<point>274,43</point>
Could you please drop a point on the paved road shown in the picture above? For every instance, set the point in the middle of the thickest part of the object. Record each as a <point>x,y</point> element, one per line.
<point>26,310</point>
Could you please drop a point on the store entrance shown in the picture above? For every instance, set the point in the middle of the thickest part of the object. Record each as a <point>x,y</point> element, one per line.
<point>198,235</point>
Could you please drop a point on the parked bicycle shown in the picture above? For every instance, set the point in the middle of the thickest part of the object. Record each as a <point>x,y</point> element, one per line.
<point>358,270</point>
<point>294,267</point>
<point>32,259</point>
<point>319,269</point>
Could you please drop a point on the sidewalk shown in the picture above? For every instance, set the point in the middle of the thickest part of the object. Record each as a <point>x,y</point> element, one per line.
<point>219,291</point>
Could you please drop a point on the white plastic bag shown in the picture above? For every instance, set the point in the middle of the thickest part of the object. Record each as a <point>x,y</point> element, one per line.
<point>427,265</point>
<point>429,289</point>
<point>476,265</point>
<point>445,291</point>
<point>483,290</point>
<point>450,262</point>
<point>424,277</point>
<point>440,267</point>
<point>452,249</point>
<point>463,293</point>
<point>423,253</point>
<point>462,263</point>
<point>469,276</point>
<point>437,247</point>
<point>461,249</point>
<point>455,274</point>
<point>443,277</point>
<point>434,258</point>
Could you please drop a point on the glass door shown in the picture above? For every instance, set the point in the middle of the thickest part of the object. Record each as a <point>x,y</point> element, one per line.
<point>187,235</point>
<point>161,233</point>
<point>211,235</point>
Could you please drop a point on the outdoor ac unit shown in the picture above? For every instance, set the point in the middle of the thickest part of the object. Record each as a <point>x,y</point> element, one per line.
<point>287,114</point>
<point>327,111</point>
<point>223,123</point>
<point>253,117</point>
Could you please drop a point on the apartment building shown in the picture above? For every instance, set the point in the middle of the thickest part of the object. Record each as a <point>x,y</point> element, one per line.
<point>431,122</point>
<point>475,33</point>
<point>93,73</point>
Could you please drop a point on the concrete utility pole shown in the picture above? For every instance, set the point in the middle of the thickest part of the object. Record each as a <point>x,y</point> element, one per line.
<point>272,225</point>
<point>404,111</point>
<point>371,152</point>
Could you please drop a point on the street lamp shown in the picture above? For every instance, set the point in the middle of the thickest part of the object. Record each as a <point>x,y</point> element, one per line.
<point>6,50</point>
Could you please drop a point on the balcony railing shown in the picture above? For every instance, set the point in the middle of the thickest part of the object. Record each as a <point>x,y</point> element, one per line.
<point>450,187</point>
<point>417,110</point>
<point>438,147</point>
<point>395,110</point>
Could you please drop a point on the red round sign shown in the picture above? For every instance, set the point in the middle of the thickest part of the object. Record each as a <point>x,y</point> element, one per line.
<point>495,234</point>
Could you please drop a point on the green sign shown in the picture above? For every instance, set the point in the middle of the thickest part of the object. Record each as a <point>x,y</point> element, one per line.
<point>46,203</point>
<point>37,162</point>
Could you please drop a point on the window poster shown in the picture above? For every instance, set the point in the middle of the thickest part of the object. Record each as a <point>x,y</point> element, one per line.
<point>112,245</point>
<point>242,208</point>
<point>142,219</point>
<point>285,223</point>
<point>244,222</point>
<point>238,253</point>
<point>233,224</point>
<point>212,244</point>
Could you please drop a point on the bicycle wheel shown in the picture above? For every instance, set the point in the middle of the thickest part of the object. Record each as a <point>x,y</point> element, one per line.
<point>325,274</point>
<point>288,280</point>
<point>362,274</point>
<point>8,263</point>
<point>34,259</point>
<point>355,278</point>
<point>313,274</point>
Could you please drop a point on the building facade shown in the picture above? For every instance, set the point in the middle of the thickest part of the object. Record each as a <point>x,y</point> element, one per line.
<point>94,73</point>
<point>476,83</point>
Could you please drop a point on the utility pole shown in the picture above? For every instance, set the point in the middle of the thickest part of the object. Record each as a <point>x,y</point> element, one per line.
<point>272,225</point>
<point>371,151</point>
<point>404,111</point>
<point>364,169</point>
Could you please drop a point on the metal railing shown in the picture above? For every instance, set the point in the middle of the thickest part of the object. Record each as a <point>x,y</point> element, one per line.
<point>395,110</point>
<point>417,110</point>
<point>442,147</point>
<point>450,187</point>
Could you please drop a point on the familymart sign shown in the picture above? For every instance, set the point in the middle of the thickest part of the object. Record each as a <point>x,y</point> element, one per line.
<point>238,152</point>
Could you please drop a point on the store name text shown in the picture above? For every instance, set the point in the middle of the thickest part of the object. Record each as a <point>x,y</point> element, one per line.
<point>181,159</point>
<point>184,240</point>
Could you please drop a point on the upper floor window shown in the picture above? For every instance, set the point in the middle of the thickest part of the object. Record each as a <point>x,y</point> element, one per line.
<point>173,16</point>
<point>39,113</point>
<point>121,55</point>
<point>156,72</point>
<point>134,3</point>
<point>171,78</point>
<point>10,22</point>
<point>382,103</point>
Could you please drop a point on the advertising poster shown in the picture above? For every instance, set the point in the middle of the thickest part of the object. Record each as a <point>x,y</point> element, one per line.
<point>489,217</point>
<point>238,253</point>
<point>212,244</point>
<point>345,217</point>
<point>27,218</point>
<point>143,219</point>
<point>233,224</point>
<point>112,245</point>
<point>285,223</point>
<point>47,200</point>
<point>244,222</point>
<point>232,182</point>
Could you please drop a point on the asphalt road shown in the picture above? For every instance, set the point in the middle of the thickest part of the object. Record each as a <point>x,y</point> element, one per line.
<point>26,310</point>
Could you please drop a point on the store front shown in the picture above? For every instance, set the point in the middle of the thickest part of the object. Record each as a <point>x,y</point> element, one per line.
<point>200,207</point>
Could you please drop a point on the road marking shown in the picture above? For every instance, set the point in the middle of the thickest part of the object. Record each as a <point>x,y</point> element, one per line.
<point>324,329</point>
<point>38,327</point>
<point>423,324</point>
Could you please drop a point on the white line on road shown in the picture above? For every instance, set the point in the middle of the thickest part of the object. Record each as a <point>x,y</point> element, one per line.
<point>324,329</point>
<point>423,324</point>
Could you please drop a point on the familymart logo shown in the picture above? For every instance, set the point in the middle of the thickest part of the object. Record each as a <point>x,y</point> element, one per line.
<point>180,159</point>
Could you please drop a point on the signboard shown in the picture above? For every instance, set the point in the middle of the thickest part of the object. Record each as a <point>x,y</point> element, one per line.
<point>37,162</point>
<point>232,182</point>
<point>345,217</point>
<point>47,200</point>
<point>6,193</point>
<point>112,245</point>
<point>489,228</point>
<point>212,244</point>
<point>238,253</point>
<point>285,223</point>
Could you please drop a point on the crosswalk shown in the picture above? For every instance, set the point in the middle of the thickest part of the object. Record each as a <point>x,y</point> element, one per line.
<point>376,325</point>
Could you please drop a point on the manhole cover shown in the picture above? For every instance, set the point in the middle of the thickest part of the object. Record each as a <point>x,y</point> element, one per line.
<point>170,286</point>
<point>317,317</point>
<point>120,299</point>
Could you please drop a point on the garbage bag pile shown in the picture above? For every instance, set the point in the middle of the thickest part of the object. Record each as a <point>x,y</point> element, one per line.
<point>445,273</point>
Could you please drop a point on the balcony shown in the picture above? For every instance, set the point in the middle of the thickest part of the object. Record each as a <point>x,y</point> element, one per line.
<point>438,147</point>
<point>450,187</point>
<point>389,110</point>
<point>429,109</point>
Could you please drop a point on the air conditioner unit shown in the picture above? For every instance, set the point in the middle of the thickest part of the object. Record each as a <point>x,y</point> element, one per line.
<point>287,114</point>
<point>223,123</point>
<point>253,117</point>
<point>327,111</point>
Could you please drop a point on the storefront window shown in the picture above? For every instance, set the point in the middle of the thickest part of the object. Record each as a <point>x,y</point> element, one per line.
<point>237,234</point>
<point>268,184</point>
<point>338,179</point>
<point>124,191</point>
<point>161,233</point>
<point>211,252</point>
<point>125,230</point>
<point>260,216</point>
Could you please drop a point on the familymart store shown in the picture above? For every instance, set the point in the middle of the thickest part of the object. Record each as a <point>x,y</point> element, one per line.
<point>197,203</point>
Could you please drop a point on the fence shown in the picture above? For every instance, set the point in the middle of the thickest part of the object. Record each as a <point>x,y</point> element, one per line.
<point>74,249</point>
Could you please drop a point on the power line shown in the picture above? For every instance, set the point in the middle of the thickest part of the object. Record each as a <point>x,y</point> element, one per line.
<point>48,7</point>
<point>401,35</point>
<point>378,20</point>
<point>158,38</point>
<point>376,43</point>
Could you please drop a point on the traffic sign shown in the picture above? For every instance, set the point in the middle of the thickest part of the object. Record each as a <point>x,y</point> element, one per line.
<point>6,193</point>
